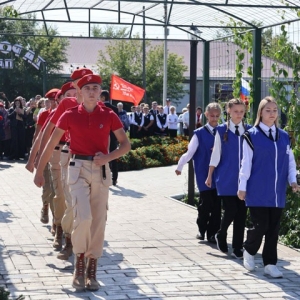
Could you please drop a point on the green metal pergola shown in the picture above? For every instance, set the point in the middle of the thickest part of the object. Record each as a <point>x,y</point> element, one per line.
<point>154,19</point>
<point>163,20</point>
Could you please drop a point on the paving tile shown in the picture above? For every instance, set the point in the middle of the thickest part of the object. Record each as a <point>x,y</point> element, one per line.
<point>150,252</point>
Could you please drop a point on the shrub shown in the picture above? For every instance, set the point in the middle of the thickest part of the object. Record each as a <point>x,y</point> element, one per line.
<point>290,222</point>
<point>153,152</point>
<point>4,295</point>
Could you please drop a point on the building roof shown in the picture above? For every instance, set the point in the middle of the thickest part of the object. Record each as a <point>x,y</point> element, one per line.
<point>84,52</point>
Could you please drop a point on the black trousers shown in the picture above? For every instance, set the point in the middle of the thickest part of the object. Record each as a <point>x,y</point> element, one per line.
<point>234,211</point>
<point>132,131</point>
<point>18,140</point>
<point>209,213</point>
<point>266,222</point>
<point>173,132</point>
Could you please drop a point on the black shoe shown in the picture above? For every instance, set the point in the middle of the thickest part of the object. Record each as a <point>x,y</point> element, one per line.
<point>115,182</point>
<point>237,253</point>
<point>200,236</point>
<point>221,244</point>
<point>212,239</point>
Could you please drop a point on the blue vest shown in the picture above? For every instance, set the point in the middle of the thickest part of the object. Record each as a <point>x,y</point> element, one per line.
<point>202,157</point>
<point>266,186</point>
<point>227,171</point>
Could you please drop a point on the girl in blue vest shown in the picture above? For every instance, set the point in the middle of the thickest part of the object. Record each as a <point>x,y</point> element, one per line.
<point>268,164</point>
<point>200,148</point>
<point>226,159</point>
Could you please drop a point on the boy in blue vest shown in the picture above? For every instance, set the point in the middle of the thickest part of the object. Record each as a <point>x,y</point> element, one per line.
<point>200,149</point>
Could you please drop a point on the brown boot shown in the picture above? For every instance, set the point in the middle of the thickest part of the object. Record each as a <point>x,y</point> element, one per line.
<point>91,282</point>
<point>53,229</point>
<point>78,277</point>
<point>44,214</point>
<point>67,251</point>
<point>57,243</point>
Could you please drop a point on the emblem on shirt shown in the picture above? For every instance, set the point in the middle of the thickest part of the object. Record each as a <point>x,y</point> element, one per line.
<point>101,126</point>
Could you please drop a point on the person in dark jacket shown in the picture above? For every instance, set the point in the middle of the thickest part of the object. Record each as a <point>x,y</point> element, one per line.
<point>16,115</point>
<point>105,98</point>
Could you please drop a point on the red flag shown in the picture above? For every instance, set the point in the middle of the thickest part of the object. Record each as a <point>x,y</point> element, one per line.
<point>124,91</point>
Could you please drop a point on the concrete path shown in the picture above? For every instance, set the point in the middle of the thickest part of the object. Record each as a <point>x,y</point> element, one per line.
<point>150,249</point>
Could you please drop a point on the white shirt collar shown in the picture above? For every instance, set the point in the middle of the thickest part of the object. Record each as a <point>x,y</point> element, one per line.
<point>210,127</point>
<point>232,126</point>
<point>266,128</point>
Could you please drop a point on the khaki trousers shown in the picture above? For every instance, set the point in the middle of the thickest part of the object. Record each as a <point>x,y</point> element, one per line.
<point>48,191</point>
<point>89,190</point>
<point>67,220</point>
<point>59,199</point>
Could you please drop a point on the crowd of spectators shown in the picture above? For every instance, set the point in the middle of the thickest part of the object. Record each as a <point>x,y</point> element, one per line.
<point>17,125</point>
<point>18,120</point>
<point>160,120</point>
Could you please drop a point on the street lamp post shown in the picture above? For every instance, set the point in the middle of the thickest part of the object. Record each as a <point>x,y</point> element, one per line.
<point>192,116</point>
<point>165,79</point>
<point>44,78</point>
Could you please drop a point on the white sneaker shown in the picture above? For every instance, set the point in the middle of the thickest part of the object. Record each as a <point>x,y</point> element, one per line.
<point>273,271</point>
<point>249,263</point>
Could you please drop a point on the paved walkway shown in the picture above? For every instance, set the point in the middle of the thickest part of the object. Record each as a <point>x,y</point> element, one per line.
<point>150,248</point>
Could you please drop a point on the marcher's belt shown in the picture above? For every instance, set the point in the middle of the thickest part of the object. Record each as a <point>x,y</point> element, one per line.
<point>89,157</point>
<point>64,143</point>
<point>65,151</point>
<point>83,157</point>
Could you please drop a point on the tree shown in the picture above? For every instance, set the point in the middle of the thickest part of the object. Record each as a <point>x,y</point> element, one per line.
<point>270,42</point>
<point>24,79</point>
<point>155,74</point>
<point>110,32</point>
<point>125,58</point>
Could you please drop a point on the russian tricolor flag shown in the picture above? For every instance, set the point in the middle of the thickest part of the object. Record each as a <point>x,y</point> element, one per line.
<point>245,90</point>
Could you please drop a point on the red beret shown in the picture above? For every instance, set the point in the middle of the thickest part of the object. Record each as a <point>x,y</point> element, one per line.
<point>79,73</point>
<point>58,94</point>
<point>89,79</point>
<point>67,86</point>
<point>51,93</point>
<point>1,104</point>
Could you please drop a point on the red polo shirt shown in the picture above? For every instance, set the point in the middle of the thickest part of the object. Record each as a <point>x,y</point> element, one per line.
<point>51,113</point>
<point>89,132</point>
<point>43,117</point>
<point>63,105</point>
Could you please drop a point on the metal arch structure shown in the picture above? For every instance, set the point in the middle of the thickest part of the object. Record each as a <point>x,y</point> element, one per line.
<point>150,20</point>
<point>75,18</point>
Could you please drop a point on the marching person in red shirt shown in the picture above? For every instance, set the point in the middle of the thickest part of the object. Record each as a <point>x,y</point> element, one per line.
<point>89,126</point>
<point>48,192</point>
